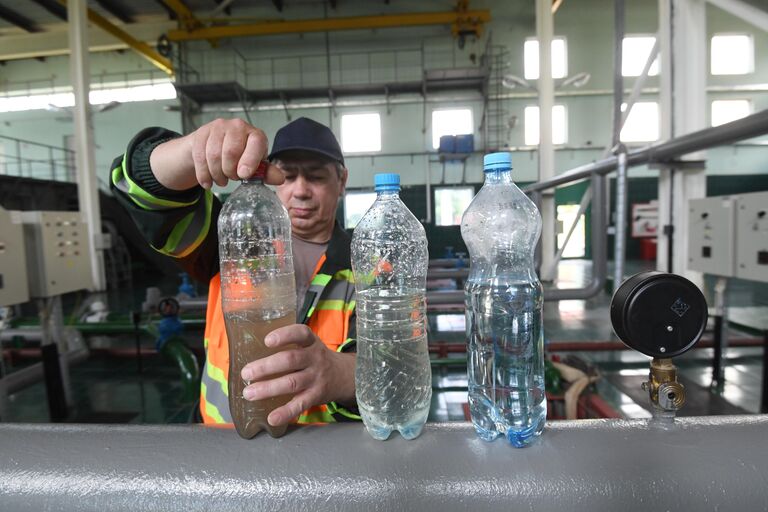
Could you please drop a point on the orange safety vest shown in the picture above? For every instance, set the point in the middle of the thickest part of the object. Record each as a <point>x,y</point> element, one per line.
<point>328,310</point>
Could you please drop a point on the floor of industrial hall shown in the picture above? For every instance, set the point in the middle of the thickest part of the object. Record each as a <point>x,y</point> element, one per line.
<point>108,389</point>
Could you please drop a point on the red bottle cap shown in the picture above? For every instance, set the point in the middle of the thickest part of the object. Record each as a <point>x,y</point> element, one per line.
<point>261,170</point>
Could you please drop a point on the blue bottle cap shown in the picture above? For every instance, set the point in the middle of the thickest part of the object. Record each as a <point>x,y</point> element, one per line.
<point>386,181</point>
<point>497,161</point>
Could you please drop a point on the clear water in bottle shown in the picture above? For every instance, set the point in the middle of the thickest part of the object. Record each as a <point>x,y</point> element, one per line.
<point>503,296</point>
<point>393,377</point>
<point>258,292</point>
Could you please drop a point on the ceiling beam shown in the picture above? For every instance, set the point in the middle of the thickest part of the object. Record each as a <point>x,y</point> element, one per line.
<point>55,42</point>
<point>117,10</point>
<point>17,19</point>
<point>53,7</point>
<point>139,47</point>
<point>465,18</point>
<point>183,14</point>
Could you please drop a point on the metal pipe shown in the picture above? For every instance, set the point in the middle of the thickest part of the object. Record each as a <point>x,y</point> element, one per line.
<point>618,78</point>
<point>32,374</point>
<point>599,242</point>
<point>620,223</point>
<point>702,463</point>
<point>741,129</point>
<point>599,259</point>
<point>638,86</point>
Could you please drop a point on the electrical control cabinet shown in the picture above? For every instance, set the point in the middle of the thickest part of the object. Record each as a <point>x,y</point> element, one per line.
<point>57,252</point>
<point>711,235</point>
<point>752,237</point>
<point>13,264</point>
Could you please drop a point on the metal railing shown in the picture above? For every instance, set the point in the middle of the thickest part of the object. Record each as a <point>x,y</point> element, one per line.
<point>324,70</point>
<point>659,153</point>
<point>27,159</point>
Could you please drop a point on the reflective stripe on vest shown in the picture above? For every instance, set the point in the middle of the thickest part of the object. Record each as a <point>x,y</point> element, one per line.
<point>329,320</point>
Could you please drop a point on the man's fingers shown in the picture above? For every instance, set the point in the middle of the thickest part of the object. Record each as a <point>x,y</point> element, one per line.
<point>296,334</point>
<point>202,174</point>
<point>285,414</point>
<point>231,151</point>
<point>274,175</point>
<point>282,362</point>
<point>289,384</point>
<point>213,150</point>
<point>254,152</point>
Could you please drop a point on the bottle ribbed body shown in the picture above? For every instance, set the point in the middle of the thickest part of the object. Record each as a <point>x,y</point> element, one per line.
<point>258,292</point>
<point>393,376</point>
<point>503,298</point>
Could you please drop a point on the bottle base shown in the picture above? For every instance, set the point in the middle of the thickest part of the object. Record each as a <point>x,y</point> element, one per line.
<point>519,438</point>
<point>381,432</point>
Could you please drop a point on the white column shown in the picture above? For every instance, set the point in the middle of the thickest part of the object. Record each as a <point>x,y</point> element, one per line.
<point>87,183</point>
<point>688,97</point>
<point>546,85</point>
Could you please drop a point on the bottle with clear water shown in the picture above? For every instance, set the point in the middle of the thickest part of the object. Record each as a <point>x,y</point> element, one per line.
<point>258,292</point>
<point>393,377</point>
<point>503,296</point>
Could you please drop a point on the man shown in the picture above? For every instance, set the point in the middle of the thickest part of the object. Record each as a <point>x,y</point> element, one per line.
<point>164,182</point>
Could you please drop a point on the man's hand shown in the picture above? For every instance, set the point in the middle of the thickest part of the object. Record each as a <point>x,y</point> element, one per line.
<point>313,373</point>
<point>219,151</point>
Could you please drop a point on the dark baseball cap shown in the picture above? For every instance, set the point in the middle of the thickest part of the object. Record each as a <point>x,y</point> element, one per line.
<point>304,134</point>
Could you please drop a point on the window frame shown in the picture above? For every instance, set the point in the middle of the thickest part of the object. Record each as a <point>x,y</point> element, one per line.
<point>538,66</point>
<point>565,125</point>
<point>751,63</point>
<point>344,149</point>
<point>658,124</point>
<point>436,144</point>
<point>624,60</point>
<point>750,109</point>
<point>358,192</point>
<point>436,190</point>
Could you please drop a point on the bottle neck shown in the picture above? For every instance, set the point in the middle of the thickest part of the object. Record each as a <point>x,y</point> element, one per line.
<point>498,177</point>
<point>387,195</point>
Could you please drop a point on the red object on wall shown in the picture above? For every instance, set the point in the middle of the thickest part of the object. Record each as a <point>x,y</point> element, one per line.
<point>648,249</point>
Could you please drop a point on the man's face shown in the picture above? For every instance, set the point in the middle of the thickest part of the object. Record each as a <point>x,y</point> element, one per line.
<point>310,194</point>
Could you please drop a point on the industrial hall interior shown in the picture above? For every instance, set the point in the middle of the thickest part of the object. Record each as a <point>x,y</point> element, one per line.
<point>383,255</point>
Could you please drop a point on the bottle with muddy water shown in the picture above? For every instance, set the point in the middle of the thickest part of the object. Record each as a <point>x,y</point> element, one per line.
<point>503,298</point>
<point>258,292</point>
<point>393,377</point>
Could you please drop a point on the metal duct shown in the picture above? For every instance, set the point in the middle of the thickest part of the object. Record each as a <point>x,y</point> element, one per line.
<point>706,463</point>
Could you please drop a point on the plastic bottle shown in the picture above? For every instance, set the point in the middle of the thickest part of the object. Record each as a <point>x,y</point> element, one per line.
<point>393,376</point>
<point>503,296</point>
<point>258,292</point>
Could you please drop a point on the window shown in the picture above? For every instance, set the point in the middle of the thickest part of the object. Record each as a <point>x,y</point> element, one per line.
<point>355,206</point>
<point>360,133</point>
<point>450,122</point>
<point>634,54</point>
<point>451,323</point>
<point>566,213</point>
<point>450,204</point>
<point>559,125</point>
<point>642,125</point>
<point>725,111</point>
<point>732,54</point>
<point>559,58</point>
<point>135,91</point>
